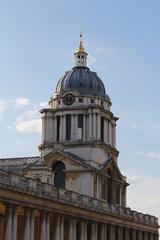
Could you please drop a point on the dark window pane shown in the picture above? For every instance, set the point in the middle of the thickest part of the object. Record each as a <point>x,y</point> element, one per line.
<point>59,175</point>
<point>58,127</point>
<point>102,129</point>
<point>68,127</point>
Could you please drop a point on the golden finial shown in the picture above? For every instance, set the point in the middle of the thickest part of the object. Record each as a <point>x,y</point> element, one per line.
<point>81,48</point>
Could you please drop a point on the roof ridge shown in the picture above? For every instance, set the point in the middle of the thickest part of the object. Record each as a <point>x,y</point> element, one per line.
<point>16,158</point>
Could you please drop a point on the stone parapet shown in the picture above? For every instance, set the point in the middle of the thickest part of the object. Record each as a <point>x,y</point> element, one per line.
<point>15,182</point>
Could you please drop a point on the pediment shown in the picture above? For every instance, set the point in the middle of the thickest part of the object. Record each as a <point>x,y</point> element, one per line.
<point>71,161</point>
<point>111,165</point>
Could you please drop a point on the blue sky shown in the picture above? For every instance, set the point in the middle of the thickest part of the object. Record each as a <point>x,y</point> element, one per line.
<point>122,38</point>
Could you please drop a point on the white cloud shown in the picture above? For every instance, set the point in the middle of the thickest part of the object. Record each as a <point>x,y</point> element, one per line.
<point>148,155</point>
<point>3,106</point>
<point>30,126</point>
<point>28,122</point>
<point>44,104</point>
<point>143,194</point>
<point>21,101</point>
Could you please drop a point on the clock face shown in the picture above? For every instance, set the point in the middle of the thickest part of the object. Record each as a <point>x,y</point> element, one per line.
<point>69,99</point>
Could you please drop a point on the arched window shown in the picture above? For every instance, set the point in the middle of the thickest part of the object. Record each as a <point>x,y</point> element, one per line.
<point>59,174</point>
<point>109,187</point>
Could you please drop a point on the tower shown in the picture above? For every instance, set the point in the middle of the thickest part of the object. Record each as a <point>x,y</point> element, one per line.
<point>80,124</point>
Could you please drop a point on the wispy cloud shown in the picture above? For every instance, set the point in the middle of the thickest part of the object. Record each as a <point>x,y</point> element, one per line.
<point>143,195</point>
<point>109,64</point>
<point>3,106</point>
<point>100,50</point>
<point>148,155</point>
<point>21,101</point>
<point>143,125</point>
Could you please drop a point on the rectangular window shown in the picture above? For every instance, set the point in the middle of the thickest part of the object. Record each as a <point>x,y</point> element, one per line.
<point>68,127</point>
<point>80,100</point>
<point>102,129</point>
<point>80,126</point>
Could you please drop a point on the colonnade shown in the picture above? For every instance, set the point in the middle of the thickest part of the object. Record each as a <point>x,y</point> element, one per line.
<point>30,224</point>
<point>91,130</point>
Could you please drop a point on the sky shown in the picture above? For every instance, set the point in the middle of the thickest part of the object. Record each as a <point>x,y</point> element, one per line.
<point>37,42</point>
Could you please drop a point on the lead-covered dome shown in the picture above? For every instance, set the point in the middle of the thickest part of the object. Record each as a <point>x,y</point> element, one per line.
<point>80,79</point>
<point>83,81</point>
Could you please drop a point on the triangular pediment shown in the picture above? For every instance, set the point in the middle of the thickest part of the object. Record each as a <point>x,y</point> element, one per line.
<point>111,165</point>
<point>69,159</point>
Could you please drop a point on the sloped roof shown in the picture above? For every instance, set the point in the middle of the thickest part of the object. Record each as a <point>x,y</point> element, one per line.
<point>20,162</point>
<point>107,162</point>
<point>71,156</point>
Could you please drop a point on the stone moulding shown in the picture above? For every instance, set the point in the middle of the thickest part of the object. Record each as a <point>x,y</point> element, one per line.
<point>15,182</point>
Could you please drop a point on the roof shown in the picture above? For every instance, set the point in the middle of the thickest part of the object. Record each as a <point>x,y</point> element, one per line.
<point>83,81</point>
<point>20,162</point>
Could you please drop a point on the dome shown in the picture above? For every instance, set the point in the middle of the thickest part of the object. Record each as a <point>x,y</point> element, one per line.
<point>83,81</point>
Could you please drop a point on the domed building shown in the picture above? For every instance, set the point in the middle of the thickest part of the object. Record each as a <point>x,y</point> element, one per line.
<point>75,189</point>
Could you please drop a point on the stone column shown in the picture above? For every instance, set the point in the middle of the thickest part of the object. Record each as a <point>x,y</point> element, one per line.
<point>98,127</point>
<point>112,232</point>
<point>61,128</point>
<point>94,231</point>
<point>114,135</point>
<point>72,229</point>
<point>119,233</point>
<point>127,234</point>
<point>8,228</point>
<point>84,127</point>
<point>110,133</point>
<point>48,227</point>
<point>27,224</point>
<point>32,225</point>
<point>64,128</point>
<point>57,232</point>
<point>55,129</point>
<point>133,234</point>
<point>146,236</point>
<point>14,226</point>
<point>83,230</point>
<point>43,226</point>
<point>103,232</point>
<point>90,126</point>
<point>62,228</point>
<point>72,127</point>
<point>94,125</point>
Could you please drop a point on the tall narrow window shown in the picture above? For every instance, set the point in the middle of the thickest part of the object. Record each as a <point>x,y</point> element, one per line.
<point>117,193</point>
<point>68,127</point>
<point>58,128</point>
<point>59,174</point>
<point>103,185</point>
<point>80,126</point>
<point>102,129</point>
<point>109,187</point>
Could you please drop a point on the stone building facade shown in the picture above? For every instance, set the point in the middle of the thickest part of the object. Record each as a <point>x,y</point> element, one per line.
<point>75,189</point>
